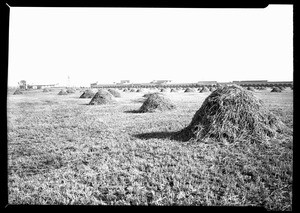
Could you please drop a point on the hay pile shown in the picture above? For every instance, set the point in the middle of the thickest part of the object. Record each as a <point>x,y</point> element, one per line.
<point>87,94</point>
<point>189,90</point>
<point>125,90</point>
<point>251,89</point>
<point>163,90</point>
<point>156,102</point>
<point>46,90</point>
<point>173,90</point>
<point>18,92</point>
<point>276,89</point>
<point>232,113</point>
<point>102,97</point>
<point>71,90</point>
<point>63,92</point>
<point>211,89</point>
<point>139,90</point>
<point>132,90</point>
<point>115,93</point>
<point>204,89</point>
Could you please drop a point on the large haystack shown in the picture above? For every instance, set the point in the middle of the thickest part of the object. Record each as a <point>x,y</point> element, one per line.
<point>102,97</point>
<point>63,92</point>
<point>115,93</point>
<point>231,113</point>
<point>18,92</point>
<point>156,102</point>
<point>87,94</point>
<point>276,89</point>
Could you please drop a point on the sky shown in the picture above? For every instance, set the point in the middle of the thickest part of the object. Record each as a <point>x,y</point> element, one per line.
<point>80,46</point>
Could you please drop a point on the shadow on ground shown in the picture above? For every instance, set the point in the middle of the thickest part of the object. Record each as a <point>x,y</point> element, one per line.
<point>132,111</point>
<point>178,135</point>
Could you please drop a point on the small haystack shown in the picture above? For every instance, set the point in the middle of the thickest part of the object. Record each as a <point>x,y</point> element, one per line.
<point>156,102</point>
<point>189,90</point>
<point>251,89</point>
<point>139,90</point>
<point>173,90</point>
<point>163,90</point>
<point>232,113</point>
<point>204,89</point>
<point>63,92</point>
<point>115,93</point>
<point>18,92</point>
<point>102,97</point>
<point>132,90</point>
<point>87,94</point>
<point>276,89</point>
<point>46,90</point>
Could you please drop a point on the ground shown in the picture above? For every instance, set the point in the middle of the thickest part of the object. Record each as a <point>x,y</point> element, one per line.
<point>63,151</point>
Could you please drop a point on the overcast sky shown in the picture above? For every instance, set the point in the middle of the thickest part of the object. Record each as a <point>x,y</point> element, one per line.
<point>46,45</point>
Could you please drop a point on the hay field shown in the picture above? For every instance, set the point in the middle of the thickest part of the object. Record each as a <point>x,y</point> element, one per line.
<point>63,151</point>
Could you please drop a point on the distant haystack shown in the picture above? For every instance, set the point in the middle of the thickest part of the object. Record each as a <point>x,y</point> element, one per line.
<point>173,90</point>
<point>230,114</point>
<point>125,90</point>
<point>70,90</point>
<point>18,92</point>
<point>115,93</point>
<point>163,90</point>
<point>204,89</point>
<point>63,92</point>
<point>276,89</point>
<point>132,90</point>
<point>87,94</point>
<point>156,102</point>
<point>46,90</point>
<point>189,90</point>
<point>251,89</point>
<point>149,94</point>
<point>102,97</point>
<point>139,90</point>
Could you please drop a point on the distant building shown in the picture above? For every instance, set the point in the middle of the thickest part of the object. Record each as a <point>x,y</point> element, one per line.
<point>160,81</point>
<point>40,86</point>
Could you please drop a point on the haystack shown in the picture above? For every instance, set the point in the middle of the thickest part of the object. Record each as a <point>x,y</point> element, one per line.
<point>139,90</point>
<point>189,90</point>
<point>231,113</point>
<point>156,102</point>
<point>173,90</point>
<point>276,89</point>
<point>251,89</point>
<point>70,90</point>
<point>63,92</point>
<point>87,94</point>
<point>132,90</point>
<point>163,90</point>
<point>18,92</point>
<point>211,89</point>
<point>102,97</point>
<point>204,89</point>
<point>115,93</point>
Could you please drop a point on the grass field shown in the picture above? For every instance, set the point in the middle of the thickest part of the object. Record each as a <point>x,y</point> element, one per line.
<point>63,151</point>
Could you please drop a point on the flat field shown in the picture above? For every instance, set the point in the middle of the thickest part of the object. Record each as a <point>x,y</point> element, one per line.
<point>63,151</point>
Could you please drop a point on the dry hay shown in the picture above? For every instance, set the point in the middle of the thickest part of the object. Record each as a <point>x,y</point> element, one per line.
<point>173,90</point>
<point>102,97</point>
<point>46,90</point>
<point>189,90</point>
<point>62,92</point>
<point>156,102</point>
<point>115,93</point>
<point>204,89</point>
<point>232,113</point>
<point>211,89</point>
<point>18,92</point>
<point>250,89</point>
<point>163,90</point>
<point>132,90</point>
<point>87,94</point>
<point>125,90</point>
<point>70,90</point>
<point>139,90</point>
<point>276,89</point>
